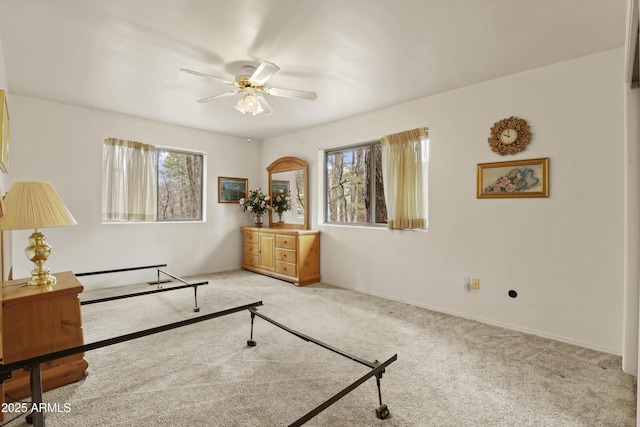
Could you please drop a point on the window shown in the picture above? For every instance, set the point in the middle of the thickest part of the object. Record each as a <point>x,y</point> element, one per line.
<point>142,183</point>
<point>382,182</point>
<point>179,185</point>
<point>354,185</point>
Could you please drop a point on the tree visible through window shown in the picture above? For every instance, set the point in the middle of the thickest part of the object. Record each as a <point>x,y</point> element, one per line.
<point>179,186</point>
<point>355,188</point>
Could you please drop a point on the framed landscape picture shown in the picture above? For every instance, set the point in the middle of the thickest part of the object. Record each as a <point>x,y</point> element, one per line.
<point>279,185</point>
<point>231,190</point>
<point>517,178</point>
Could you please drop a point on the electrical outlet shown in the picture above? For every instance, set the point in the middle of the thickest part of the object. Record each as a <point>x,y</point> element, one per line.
<point>475,283</point>
<point>466,283</point>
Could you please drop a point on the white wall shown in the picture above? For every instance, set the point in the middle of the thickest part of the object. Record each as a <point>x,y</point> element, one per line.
<point>4,178</point>
<point>563,255</point>
<point>63,144</point>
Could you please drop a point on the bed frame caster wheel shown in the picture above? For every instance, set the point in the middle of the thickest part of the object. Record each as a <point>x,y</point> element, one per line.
<point>251,343</point>
<point>382,412</point>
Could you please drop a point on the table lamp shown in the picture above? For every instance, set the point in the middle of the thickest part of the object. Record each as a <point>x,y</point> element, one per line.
<point>36,205</point>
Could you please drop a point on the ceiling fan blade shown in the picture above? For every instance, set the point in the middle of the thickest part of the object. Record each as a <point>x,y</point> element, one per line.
<point>263,73</point>
<point>207,75</point>
<point>290,93</point>
<point>221,95</point>
<point>265,105</point>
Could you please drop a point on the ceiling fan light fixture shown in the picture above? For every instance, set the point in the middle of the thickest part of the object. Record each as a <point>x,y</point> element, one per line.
<point>249,104</point>
<point>252,89</point>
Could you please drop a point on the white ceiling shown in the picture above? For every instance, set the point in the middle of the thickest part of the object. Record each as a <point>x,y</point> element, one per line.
<point>124,56</point>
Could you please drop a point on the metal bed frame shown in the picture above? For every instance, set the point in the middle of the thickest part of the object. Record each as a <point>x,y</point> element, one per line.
<point>36,417</point>
<point>157,290</point>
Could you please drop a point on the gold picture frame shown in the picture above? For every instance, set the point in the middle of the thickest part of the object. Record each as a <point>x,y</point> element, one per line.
<point>516,178</point>
<point>4,132</point>
<point>231,190</point>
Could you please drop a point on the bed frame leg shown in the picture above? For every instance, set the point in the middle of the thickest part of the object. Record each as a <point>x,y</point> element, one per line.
<point>382,411</point>
<point>195,299</point>
<point>251,342</point>
<point>36,417</point>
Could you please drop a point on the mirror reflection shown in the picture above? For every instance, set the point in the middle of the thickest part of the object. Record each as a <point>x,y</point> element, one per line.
<point>288,188</point>
<point>289,195</point>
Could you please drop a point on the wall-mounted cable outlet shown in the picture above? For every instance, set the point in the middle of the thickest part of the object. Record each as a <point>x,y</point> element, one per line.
<point>475,283</point>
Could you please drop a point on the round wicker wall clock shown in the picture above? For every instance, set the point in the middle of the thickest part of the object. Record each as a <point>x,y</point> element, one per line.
<point>509,136</point>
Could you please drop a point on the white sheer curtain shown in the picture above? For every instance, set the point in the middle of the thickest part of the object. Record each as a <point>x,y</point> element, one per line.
<point>404,171</point>
<point>129,183</point>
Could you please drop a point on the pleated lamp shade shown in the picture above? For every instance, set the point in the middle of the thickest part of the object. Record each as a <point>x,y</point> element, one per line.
<point>32,205</point>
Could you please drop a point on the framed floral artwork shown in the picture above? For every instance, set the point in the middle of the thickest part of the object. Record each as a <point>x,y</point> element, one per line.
<point>231,190</point>
<point>517,178</point>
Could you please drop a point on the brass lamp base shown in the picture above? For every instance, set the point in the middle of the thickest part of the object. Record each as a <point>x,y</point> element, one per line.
<point>40,277</point>
<point>38,252</point>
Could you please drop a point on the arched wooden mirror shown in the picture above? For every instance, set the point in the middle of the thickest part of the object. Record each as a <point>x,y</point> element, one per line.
<point>289,174</point>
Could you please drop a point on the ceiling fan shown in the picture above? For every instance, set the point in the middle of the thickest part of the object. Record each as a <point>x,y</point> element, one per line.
<point>250,84</point>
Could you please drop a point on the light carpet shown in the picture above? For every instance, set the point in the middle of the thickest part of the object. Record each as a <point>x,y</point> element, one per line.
<point>450,371</point>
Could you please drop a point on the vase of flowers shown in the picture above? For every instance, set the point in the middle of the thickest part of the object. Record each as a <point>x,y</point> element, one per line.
<point>256,203</point>
<point>281,202</point>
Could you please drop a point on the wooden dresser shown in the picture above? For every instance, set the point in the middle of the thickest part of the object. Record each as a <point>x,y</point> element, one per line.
<point>287,254</point>
<point>39,320</point>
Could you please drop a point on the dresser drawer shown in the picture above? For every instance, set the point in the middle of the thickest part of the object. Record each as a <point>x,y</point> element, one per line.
<point>250,237</point>
<point>250,260</point>
<point>287,242</point>
<point>250,249</point>
<point>287,255</point>
<point>286,268</point>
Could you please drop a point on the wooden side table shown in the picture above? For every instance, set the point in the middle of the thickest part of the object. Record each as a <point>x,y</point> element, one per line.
<point>39,320</point>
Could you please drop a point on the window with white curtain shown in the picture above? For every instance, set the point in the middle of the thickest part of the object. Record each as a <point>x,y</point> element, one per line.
<point>379,183</point>
<point>144,183</point>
